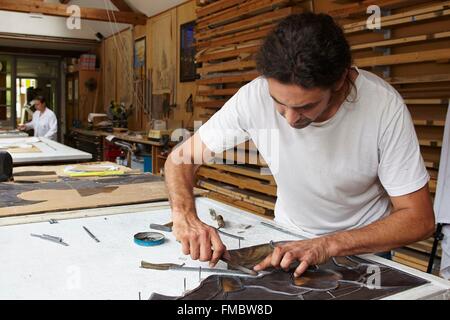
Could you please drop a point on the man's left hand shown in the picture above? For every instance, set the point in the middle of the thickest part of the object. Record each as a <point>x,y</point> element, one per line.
<point>307,252</point>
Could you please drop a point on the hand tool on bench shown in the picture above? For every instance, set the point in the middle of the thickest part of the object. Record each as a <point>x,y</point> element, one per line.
<point>50,238</point>
<point>91,234</point>
<point>183,267</point>
<point>166,228</point>
<point>238,267</point>
<point>272,226</point>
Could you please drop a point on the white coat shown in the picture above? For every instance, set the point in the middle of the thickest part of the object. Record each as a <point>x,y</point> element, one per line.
<point>44,124</point>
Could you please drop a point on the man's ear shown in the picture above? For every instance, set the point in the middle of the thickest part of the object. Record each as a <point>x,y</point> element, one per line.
<point>338,86</point>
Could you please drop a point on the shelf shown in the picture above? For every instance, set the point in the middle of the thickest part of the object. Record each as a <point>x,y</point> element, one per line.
<point>434,123</point>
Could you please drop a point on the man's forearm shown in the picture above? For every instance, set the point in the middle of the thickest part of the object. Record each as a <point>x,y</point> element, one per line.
<point>180,184</point>
<point>398,229</point>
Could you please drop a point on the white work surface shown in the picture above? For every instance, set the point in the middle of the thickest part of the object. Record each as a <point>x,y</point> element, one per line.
<point>51,151</point>
<point>12,134</point>
<point>32,268</point>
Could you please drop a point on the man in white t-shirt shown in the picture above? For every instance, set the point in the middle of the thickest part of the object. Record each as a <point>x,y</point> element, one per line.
<point>44,121</point>
<point>342,149</point>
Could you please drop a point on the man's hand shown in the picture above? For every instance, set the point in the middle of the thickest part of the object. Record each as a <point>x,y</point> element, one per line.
<point>198,239</point>
<point>307,252</point>
<point>22,127</point>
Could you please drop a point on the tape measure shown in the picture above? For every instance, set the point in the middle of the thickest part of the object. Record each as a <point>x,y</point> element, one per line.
<point>149,239</point>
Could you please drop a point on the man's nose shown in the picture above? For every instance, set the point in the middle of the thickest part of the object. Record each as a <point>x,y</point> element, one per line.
<point>292,116</point>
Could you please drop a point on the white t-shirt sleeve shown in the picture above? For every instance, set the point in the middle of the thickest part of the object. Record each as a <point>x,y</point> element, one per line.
<point>401,168</point>
<point>228,127</point>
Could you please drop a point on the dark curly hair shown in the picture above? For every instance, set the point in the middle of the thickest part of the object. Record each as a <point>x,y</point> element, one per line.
<point>305,49</point>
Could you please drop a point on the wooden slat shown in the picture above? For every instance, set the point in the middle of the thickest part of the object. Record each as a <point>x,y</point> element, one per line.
<point>435,123</point>
<point>252,197</point>
<point>426,101</point>
<point>425,247</point>
<point>401,41</point>
<point>404,58</point>
<point>216,6</point>
<point>428,115</point>
<point>253,34</point>
<point>256,21</point>
<point>60,10</point>
<point>245,171</point>
<point>240,11</point>
<point>228,79</point>
<point>397,16</point>
<point>431,156</point>
<point>246,157</point>
<point>430,136</point>
<point>419,79</point>
<point>361,7</point>
<point>227,66</point>
<point>217,92</point>
<point>224,54</point>
<point>213,104</point>
<point>240,204</point>
<point>238,181</point>
<point>400,21</point>
<point>432,185</point>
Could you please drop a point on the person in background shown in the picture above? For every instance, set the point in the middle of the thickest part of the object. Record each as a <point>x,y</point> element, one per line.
<point>44,121</point>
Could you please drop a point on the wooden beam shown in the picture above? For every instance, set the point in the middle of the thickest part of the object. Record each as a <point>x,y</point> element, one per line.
<point>252,7</point>
<point>360,7</point>
<point>401,41</point>
<point>122,5</point>
<point>403,58</point>
<point>228,79</point>
<point>427,101</point>
<point>227,66</point>
<point>234,51</point>
<point>60,10</point>
<point>430,12</point>
<point>217,6</point>
<point>240,37</point>
<point>243,24</point>
<point>445,77</point>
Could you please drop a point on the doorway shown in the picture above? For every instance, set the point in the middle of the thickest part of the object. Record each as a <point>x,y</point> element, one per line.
<point>21,79</point>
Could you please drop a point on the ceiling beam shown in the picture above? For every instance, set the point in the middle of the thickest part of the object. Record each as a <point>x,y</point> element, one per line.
<point>122,5</point>
<point>60,10</point>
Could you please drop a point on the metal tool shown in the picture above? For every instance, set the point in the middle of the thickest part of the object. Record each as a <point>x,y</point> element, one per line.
<point>230,235</point>
<point>221,224</point>
<point>168,228</point>
<point>91,234</point>
<point>149,239</point>
<point>239,267</point>
<point>161,227</point>
<point>218,218</point>
<point>50,238</point>
<point>183,267</point>
<point>282,230</point>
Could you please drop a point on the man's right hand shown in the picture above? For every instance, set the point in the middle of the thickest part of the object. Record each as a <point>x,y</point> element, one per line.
<point>198,239</point>
<point>22,127</point>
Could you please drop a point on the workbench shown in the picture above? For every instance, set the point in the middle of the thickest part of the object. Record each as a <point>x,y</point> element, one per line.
<point>94,142</point>
<point>32,268</point>
<point>12,134</point>
<point>44,151</point>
